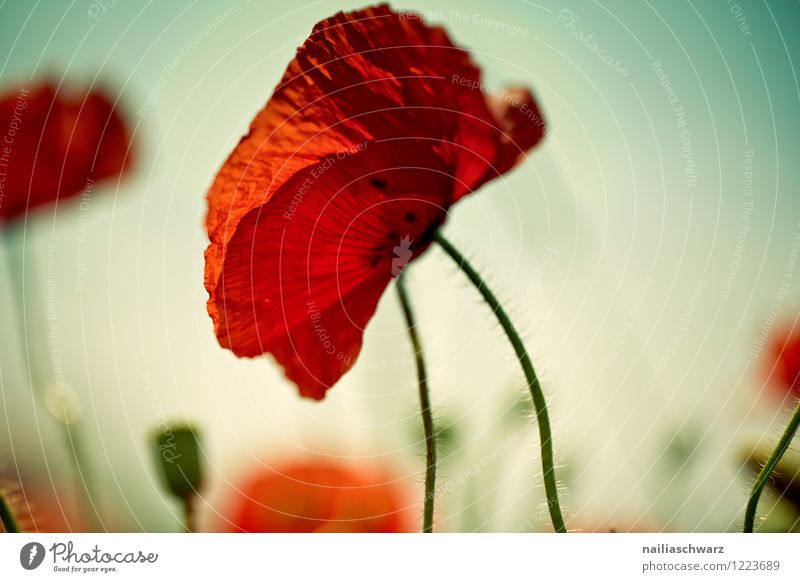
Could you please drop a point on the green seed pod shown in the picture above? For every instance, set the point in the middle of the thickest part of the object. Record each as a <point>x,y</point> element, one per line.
<point>178,456</point>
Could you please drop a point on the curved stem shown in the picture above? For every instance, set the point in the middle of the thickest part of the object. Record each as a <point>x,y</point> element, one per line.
<point>10,523</point>
<point>425,407</point>
<point>768,468</point>
<point>539,403</point>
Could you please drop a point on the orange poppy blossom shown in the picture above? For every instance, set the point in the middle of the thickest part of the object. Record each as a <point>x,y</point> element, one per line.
<point>55,143</point>
<point>320,496</point>
<point>377,127</point>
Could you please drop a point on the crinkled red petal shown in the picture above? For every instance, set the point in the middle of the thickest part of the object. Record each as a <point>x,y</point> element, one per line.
<point>377,127</point>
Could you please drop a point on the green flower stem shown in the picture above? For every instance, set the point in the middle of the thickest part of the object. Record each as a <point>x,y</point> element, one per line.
<point>539,403</point>
<point>15,261</point>
<point>768,468</point>
<point>83,479</point>
<point>425,407</point>
<point>16,273</point>
<point>10,523</point>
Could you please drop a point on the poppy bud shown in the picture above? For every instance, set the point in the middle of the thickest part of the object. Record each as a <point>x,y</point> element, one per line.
<point>178,456</point>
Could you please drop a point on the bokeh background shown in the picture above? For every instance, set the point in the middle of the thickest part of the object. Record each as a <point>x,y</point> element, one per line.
<point>643,250</point>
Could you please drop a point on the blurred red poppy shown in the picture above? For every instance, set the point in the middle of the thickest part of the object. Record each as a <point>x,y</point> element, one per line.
<point>320,496</point>
<point>784,365</point>
<point>378,126</point>
<point>55,146</point>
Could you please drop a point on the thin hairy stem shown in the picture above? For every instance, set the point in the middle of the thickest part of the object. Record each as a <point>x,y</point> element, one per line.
<point>425,406</point>
<point>539,403</point>
<point>768,468</point>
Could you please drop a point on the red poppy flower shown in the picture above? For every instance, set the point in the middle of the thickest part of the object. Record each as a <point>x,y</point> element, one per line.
<point>378,126</point>
<point>784,365</point>
<point>53,145</point>
<point>314,496</point>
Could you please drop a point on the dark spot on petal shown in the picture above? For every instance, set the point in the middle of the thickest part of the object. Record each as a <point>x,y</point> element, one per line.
<point>411,217</point>
<point>378,183</point>
<point>394,235</point>
<point>375,260</point>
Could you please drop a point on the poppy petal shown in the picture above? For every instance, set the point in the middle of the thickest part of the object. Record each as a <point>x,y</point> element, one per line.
<point>377,127</point>
<point>59,144</point>
<point>317,259</point>
<point>316,495</point>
